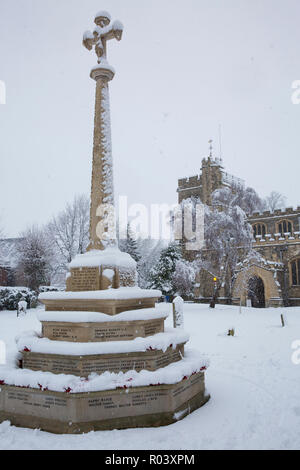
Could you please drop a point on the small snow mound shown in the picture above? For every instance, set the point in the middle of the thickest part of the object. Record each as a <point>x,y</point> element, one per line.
<point>4,427</point>
<point>118,26</point>
<point>103,13</point>
<point>88,35</point>
<point>111,256</point>
<point>181,414</point>
<point>103,64</point>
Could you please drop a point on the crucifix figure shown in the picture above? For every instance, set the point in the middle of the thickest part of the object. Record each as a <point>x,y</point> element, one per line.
<point>102,220</point>
<point>102,33</point>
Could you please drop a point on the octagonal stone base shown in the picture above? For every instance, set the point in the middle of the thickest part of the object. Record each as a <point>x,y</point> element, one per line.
<point>108,306</point>
<point>101,332</point>
<point>65,413</point>
<point>83,366</point>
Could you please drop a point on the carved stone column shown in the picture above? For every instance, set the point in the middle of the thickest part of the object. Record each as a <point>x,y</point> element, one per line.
<point>102,190</point>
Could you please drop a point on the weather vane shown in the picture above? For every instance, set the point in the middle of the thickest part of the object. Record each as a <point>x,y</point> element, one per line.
<point>210,147</point>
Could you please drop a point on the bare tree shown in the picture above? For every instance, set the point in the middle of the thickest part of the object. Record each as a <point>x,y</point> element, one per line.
<point>275,201</point>
<point>68,232</point>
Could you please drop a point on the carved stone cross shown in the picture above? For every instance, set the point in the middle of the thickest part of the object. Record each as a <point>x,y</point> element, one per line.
<point>102,220</point>
<point>103,32</point>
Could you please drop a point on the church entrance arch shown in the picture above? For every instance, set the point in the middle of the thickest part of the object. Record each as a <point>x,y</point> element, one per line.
<point>256,292</point>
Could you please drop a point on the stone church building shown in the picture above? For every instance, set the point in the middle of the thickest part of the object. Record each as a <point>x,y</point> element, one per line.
<point>271,279</point>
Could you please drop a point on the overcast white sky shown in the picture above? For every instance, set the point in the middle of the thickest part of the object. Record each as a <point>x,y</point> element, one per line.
<point>182,68</point>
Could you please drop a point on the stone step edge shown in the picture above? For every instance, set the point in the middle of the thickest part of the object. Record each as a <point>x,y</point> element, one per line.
<point>31,342</point>
<point>191,364</point>
<point>138,421</point>
<point>74,317</point>
<point>112,356</point>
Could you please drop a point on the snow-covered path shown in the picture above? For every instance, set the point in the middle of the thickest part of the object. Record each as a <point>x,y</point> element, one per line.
<point>254,387</point>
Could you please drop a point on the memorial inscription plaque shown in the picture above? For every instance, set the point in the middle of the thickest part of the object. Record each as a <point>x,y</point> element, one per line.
<point>83,366</point>
<point>85,279</point>
<point>102,332</point>
<point>76,413</point>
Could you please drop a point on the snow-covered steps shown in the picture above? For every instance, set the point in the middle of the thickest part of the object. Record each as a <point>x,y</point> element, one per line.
<point>109,301</point>
<point>82,359</point>
<point>68,404</point>
<point>83,366</point>
<point>99,327</point>
<point>68,413</point>
<point>192,363</point>
<point>161,341</point>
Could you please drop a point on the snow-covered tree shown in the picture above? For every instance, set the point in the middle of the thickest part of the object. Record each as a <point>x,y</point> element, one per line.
<point>130,245</point>
<point>245,198</point>
<point>183,279</point>
<point>228,237</point>
<point>68,232</point>
<point>184,215</point>
<point>275,201</point>
<point>149,251</point>
<point>34,258</point>
<point>162,273</point>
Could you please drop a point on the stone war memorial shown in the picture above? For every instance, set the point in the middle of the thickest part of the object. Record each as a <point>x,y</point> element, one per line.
<point>104,359</point>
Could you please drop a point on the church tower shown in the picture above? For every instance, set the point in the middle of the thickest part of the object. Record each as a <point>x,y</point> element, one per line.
<point>202,186</point>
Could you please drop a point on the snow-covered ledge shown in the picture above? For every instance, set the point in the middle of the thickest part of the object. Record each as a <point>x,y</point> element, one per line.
<point>111,256</point>
<point>97,317</point>
<point>31,342</point>
<point>101,270</point>
<point>110,301</point>
<point>123,293</point>
<point>173,373</point>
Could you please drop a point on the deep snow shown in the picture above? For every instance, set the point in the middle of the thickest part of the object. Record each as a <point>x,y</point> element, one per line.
<point>254,387</point>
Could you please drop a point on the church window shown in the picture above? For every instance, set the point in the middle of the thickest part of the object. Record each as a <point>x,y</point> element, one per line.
<point>295,265</point>
<point>259,229</point>
<point>284,226</point>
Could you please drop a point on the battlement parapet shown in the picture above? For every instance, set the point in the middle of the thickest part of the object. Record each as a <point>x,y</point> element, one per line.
<point>189,181</point>
<point>276,239</point>
<point>277,213</point>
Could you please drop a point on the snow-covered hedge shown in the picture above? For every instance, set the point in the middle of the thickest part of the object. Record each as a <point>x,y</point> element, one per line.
<point>10,296</point>
<point>50,289</point>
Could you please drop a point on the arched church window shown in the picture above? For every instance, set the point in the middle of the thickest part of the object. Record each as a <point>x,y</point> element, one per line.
<point>259,229</point>
<point>295,268</point>
<point>285,226</point>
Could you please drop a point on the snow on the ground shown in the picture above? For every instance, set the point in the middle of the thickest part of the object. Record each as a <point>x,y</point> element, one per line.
<point>254,387</point>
